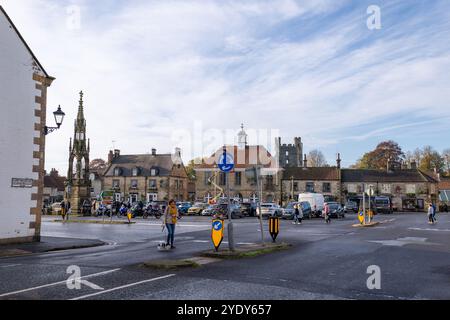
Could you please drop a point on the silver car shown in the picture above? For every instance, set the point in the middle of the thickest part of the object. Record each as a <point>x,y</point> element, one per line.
<point>269,210</point>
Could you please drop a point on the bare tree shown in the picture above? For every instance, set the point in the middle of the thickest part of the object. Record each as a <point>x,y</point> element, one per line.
<point>316,159</point>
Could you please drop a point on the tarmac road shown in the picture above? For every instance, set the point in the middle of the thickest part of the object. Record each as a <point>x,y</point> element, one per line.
<point>325,262</point>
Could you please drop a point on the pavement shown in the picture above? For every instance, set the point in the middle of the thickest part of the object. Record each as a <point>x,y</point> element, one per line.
<point>324,262</point>
<point>48,244</point>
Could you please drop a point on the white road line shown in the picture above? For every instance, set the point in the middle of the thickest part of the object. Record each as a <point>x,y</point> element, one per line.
<point>10,265</point>
<point>56,283</point>
<point>123,287</point>
<point>201,241</point>
<point>428,229</point>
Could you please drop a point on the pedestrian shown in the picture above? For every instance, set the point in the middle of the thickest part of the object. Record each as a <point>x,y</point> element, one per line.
<point>430,214</point>
<point>170,219</point>
<point>434,212</point>
<point>326,212</point>
<point>298,214</point>
<point>63,209</point>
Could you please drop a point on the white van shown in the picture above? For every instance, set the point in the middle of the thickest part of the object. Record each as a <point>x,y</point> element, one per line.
<point>316,200</point>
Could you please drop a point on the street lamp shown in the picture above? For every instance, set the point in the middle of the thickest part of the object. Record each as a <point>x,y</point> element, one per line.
<point>59,117</point>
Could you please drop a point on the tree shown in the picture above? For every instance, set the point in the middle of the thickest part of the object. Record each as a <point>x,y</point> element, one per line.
<point>378,158</point>
<point>190,168</point>
<point>97,165</point>
<point>446,157</point>
<point>316,159</point>
<point>431,160</point>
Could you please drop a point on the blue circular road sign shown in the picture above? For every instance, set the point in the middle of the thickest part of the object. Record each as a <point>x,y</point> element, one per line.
<point>217,225</point>
<point>226,162</point>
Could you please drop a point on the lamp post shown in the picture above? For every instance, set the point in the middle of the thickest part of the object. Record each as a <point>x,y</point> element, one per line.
<point>59,118</point>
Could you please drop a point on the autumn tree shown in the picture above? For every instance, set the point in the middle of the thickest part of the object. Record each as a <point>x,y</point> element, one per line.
<point>316,159</point>
<point>97,165</point>
<point>190,168</point>
<point>378,158</point>
<point>431,160</point>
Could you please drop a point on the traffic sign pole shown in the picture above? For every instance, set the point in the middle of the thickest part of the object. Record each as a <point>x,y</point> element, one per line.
<point>230,224</point>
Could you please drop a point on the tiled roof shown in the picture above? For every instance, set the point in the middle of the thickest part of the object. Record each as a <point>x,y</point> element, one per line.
<point>311,173</point>
<point>444,184</point>
<point>144,162</point>
<point>363,175</point>
<point>243,158</point>
<point>54,182</point>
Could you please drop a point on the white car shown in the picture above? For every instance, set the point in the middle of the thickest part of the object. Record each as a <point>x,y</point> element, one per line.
<point>269,210</point>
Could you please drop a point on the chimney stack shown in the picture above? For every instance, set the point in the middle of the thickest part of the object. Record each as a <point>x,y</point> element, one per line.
<point>110,156</point>
<point>153,152</point>
<point>305,162</point>
<point>338,161</point>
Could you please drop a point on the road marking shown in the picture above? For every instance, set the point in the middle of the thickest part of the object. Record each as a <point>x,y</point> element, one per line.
<point>428,229</point>
<point>57,283</point>
<point>122,287</point>
<point>400,242</point>
<point>10,265</point>
<point>201,241</point>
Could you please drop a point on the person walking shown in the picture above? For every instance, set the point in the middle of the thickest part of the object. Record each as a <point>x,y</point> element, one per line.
<point>326,212</point>
<point>170,219</point>
<point>298,214</point>
<point>434,212</point>
<point>430,214</point>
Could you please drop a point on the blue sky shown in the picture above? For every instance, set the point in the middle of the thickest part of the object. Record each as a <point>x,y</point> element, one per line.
<point>151,69</point>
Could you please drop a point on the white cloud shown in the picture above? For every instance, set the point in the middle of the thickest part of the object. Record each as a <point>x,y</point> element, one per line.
<point>151,67</point>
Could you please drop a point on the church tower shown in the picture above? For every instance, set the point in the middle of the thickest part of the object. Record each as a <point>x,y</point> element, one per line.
<point>78,183</point>
<point>242,138</point>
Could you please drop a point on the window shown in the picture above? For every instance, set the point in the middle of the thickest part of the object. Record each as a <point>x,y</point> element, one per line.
<point>134,184</point>
<point>287,161</point>
<point>117,197</point>
<point>269,180</point>
<point>326,187</point>
<point>153,172</point>
<point>310,187</point>
<point>135,172</point>
<point>181,184</point>
<point>177,185</point>
<point>116,184</point>
<point>295,186</point>
<point>117,172</point>
<point>222,179</point>
<point>287,153</point>
<point>152,184</point>
<point>207,176</point>
<point>238,178</point>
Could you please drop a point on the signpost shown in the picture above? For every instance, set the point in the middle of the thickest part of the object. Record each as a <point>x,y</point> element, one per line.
<point>226,164</point>
<point>254,174</point>
<point>217,233</point>
<point>274,227</point>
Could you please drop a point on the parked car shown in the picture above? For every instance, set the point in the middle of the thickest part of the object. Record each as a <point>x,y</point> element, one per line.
<point>351,206</point>
<point>249,208</point>
<point>221,211</point>
<point>270,210</point>
<point>382,205</point>
<point>183,207</point>
<point>55,208</point>
<point>336,210</point>
<point>288,212</point>
<point>315,200</point>
<point>197,208</point>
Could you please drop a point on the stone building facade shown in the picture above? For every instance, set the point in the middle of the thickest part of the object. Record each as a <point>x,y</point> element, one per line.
<point>23,92</point>
<point>210,182</point>
<point>146,177</point>
<point>289,155</point>
<point>324,180</point>
<point>409,189</point>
